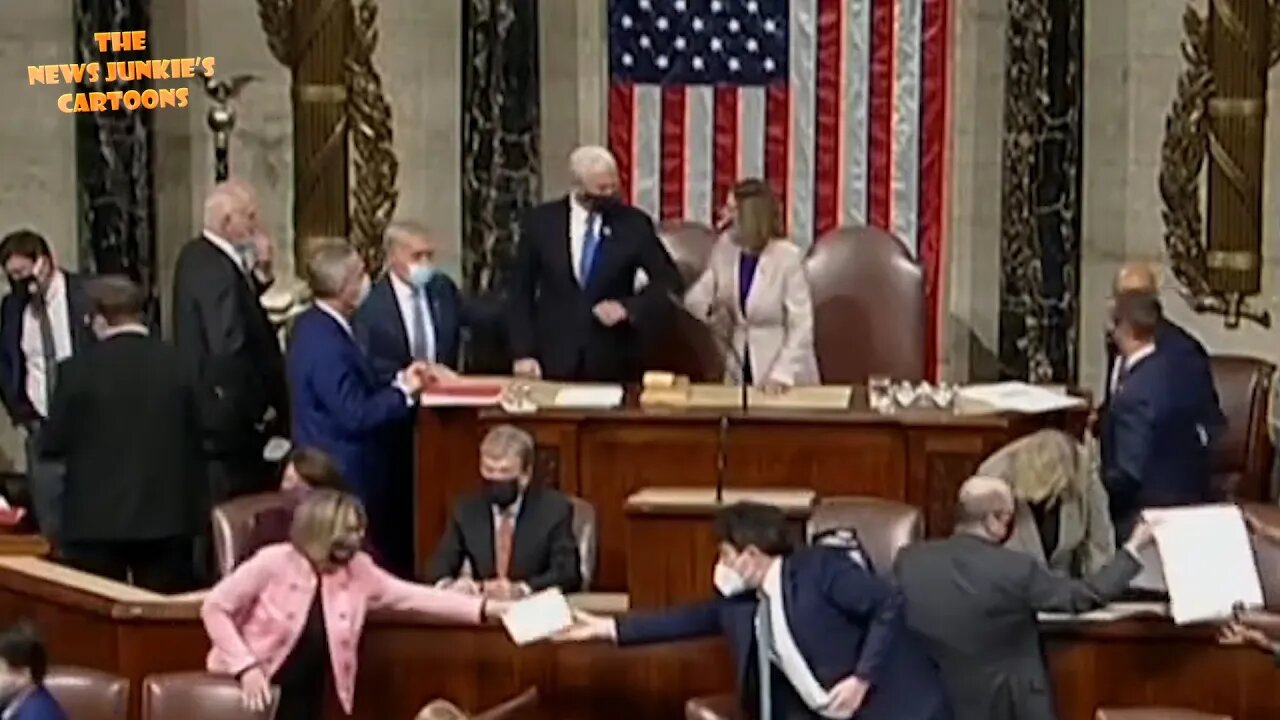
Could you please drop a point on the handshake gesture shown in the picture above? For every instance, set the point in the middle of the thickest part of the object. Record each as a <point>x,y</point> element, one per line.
<point>420,375</point>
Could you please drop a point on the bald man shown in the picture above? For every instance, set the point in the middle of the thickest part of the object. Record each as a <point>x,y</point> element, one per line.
<point>1188,355</point>
<point>975,602</point>
<point>227,344</point>
<point>573,311</point>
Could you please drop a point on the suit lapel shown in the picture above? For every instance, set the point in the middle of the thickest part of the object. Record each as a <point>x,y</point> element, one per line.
<point>741,628</point>
<point>389,314</point>
<point>561,254</point>
<point>483,556</point>
<point>524,525</point>
<point>77,312</point>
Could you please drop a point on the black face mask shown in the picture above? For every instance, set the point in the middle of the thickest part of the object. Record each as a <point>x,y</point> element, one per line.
<point>23,288</point>
<point>342,552</point>
<point>597,203</point>
<point>501,493</point>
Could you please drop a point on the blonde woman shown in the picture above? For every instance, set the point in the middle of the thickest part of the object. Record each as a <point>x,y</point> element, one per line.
<point>754,293</point>
<point>1062,518</point>
<point>292,615</point>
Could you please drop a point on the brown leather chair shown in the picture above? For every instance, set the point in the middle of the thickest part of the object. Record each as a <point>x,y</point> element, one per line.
<point>1155,713</point>
<point>684,345</point>
<point>197,696</point>
<point>233,523</point>
<point>86,694</point>
<point>1266,553</point>
<point>1242,455</point>
<point>514,708</point>
<point>714,707</point>
<point>884,526</point>
<point>868,307</point>
<point>584,532</point>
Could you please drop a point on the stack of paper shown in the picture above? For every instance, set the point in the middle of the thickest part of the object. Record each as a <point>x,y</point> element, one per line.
<point>589,397</point>
<point>1019,397</point>
<point>537,617</point>
<point>1207,561</point>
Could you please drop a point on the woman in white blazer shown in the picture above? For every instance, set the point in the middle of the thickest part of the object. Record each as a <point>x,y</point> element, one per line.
<point>754,293</point>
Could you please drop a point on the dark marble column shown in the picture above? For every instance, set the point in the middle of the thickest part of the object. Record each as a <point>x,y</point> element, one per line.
<point>500,153</point>
<point>114,155</point>
<point>1040,212</point>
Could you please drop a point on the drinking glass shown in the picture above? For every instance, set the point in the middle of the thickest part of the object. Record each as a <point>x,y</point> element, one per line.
<point>944,395</point>
<point>879,393</point>
<point>905,394</point>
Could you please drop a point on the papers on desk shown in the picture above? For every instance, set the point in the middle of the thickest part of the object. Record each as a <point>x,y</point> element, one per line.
<point>537,617</point>
<point>1207,561</point>
<point>1019,397</point>
<point>1109,613</point>
<point>588,397</point>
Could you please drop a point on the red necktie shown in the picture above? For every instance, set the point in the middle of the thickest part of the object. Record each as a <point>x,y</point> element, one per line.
<point>506,531</point>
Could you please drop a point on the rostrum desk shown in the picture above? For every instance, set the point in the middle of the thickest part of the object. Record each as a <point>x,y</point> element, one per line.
<point>406,662</point>
<point>918,457</point>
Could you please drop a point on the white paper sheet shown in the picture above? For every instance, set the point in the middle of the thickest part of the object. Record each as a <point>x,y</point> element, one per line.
<point>1020,397</point>
<point>590,397</point>
<point>1151,576</point>
<point>537,617</point>
<point>1207,561</point>
<point>1112,612</point>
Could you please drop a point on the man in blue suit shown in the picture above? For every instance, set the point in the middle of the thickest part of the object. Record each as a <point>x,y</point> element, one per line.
<point>340,405</point>
<point>1155,452</point>
<point>834,641</point>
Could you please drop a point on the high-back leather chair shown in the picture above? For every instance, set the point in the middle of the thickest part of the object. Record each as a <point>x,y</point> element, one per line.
<point>87,694</point>
<point>233,525</point>
<point>1266,553</point>
<point>884,526</point>
<point>868,307</point>
<point>1156,713</point>
<point>684,345</point>
<point>516,707</point>
<point>197,696</point>
<point>584,532</point>
<point>1243,453</point>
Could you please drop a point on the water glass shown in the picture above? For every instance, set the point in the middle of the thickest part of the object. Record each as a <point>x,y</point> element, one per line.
<point>905,394</point>
<point>880,393</point>
<point>944,395</point>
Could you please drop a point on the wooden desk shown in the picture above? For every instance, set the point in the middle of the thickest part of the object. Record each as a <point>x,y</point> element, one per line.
<point>671,545</point>
<point>23,544</point>
<point>918,457</point>
<point>405,663</point>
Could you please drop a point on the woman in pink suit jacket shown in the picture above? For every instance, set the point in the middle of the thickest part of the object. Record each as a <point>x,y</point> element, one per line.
<point>755,294</point>
<point>269,625</point>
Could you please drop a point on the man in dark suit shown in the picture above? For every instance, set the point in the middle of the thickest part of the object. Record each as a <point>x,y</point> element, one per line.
<point>1188,356</point>
<point>227,342</point>
<point>834,644</point>
<point>574,313</point>
<point>341,406</point>
<point>516,536</point>
<point>975,604</point>
<point>125,419</point>
<point>1154,449</point>
<point>43,320</point>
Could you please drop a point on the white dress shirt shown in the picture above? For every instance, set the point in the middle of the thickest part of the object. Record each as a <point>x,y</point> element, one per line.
<point>577,230</point>
<point>786,654</point>
<point>405,298</point>
<point>55,299</point>
<point>1128,361</point>
<point>226,247</point>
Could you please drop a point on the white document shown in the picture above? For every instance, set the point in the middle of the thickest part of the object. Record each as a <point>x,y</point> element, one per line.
<point>1109,613</point>
<point>537,617</point>
<point>443,400</point>
<point>1207,561</point>
<point>589,397</point>
<point>1015,396</point>
<point>1151,576</point>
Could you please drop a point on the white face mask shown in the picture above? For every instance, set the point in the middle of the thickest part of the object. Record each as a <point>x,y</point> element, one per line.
<point>728,581</point>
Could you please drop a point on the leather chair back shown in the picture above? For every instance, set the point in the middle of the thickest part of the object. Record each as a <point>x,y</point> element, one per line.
<point>1243,453</point>
<point>684,345</point>
<point>884,526</point>
<point>197,696</point>
<point>1266,553</point>
<point>517,707</point>
<point>233,524</point>
<point>86,694</point>
<point>584,532</point>
<point>714,707</point>
<point>1156,713</point>
<point>868,307</point>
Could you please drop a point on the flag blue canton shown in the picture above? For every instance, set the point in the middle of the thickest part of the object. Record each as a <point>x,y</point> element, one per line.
<point>698,42</point>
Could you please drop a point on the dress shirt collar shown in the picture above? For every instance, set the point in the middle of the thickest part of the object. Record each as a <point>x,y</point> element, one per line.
<point>1139,355</point>
<point>337,316</point>
<point>403,289</point>
<point>226,247</point>
<point>126,329</point>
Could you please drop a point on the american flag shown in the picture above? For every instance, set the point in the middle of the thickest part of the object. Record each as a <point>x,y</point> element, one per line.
<point>840,104</point>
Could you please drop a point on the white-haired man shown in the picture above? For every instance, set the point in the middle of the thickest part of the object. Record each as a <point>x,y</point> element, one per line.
<point>975,603</point>
<point>573,309</point>
<point>227,344</point>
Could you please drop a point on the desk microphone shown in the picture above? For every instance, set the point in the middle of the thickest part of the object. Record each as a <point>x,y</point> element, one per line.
<point>725,344</point>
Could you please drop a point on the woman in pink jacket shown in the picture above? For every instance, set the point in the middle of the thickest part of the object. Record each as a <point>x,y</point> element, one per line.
<point>269,625</point>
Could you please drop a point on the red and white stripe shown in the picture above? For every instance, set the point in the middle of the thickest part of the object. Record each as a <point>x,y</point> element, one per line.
<point>858,135</point>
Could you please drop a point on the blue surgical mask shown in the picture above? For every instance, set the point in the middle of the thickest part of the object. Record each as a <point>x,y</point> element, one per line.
<point>420,274</point>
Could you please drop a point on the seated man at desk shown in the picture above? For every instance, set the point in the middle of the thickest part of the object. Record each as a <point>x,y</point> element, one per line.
<point>834,645</point>
<point>976,602</point>
<point>517,537</point>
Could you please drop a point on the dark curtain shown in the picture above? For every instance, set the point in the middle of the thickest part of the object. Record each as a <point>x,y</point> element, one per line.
<point>500,158</point>
<point>1040,223</point>
<point>114,155</point>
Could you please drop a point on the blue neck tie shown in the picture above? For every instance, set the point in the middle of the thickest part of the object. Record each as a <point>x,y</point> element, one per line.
<point>420,343</point>
<point>590,242</point>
